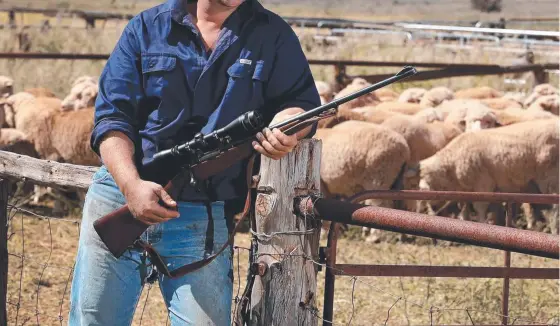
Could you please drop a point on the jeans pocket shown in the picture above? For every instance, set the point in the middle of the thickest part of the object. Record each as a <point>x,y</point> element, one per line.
<point>100,175</point>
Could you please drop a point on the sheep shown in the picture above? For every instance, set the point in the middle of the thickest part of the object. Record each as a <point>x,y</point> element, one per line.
<point>386,94</point>
<point>9,136</point>
<point>478,93</point>
<point>412,95</point>
<point>22,106</point>
<point>435,96</point>
<point>547,103</point>
<point>428,115</point>
<point>515,96</point>
<point>373,115</point>
<point>470,115</point>
<point>82,95</point>
<point>61,136</point>
<point>501,103</point>
<point>358,156</point>
<point>515,115</point>
<point>40,92</point>
<point>423,139</point>
<point>341,116</point>
<point>538,91</point>
<point>70,135</point>
<point>504,159</point>
<point>401,107</point>
<point>325,91</point>
<point>6,86</point>
<point>365,100</point>
<point>85,79</point>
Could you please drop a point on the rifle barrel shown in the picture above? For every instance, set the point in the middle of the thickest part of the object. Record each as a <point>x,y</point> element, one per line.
<point>404,73</point>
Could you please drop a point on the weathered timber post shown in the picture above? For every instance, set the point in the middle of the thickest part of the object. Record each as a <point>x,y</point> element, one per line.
<point>288,245</point>
<point>4,184</point>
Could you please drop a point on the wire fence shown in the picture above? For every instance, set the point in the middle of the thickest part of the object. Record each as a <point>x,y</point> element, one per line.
<point>42,245</point>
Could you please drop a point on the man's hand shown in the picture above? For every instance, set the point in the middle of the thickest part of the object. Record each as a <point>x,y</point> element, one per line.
<point>143,199</point>
<point>274,143</point>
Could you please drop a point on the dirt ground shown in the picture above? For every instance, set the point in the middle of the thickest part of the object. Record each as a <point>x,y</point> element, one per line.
<point>39,283</point>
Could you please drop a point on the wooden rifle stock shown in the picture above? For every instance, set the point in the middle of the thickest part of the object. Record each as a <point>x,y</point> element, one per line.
<point>119,229</point>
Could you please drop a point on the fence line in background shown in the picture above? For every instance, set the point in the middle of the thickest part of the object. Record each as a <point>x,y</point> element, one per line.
<point>91,16</point>
<point>446,70</point>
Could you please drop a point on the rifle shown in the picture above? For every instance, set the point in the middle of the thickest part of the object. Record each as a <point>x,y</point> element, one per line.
<point>207,155</point>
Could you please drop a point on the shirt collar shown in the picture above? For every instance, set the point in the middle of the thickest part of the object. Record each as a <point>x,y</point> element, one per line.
<point>246,10</point>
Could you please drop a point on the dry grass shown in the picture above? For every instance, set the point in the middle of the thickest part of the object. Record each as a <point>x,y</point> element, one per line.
<point>53,244</point>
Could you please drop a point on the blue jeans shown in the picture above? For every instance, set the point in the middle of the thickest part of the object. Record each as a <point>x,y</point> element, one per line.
<point>106,290</point>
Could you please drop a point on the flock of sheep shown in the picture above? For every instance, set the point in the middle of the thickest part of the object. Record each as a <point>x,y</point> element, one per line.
<point>472,140</point>
<point>476,139</point>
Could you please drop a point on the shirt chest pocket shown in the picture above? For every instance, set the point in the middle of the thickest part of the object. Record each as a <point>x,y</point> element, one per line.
<point>247,82</point>
<point>161,79</point>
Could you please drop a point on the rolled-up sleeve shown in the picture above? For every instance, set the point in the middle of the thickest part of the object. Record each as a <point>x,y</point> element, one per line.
<point>291,83</point>
<point>120,91</point>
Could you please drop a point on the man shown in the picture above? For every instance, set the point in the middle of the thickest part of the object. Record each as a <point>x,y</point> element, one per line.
<point>178,69</point>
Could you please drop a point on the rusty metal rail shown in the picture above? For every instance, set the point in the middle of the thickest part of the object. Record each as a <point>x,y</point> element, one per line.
<point>456,196</point>
<point>545,245</point>
<point>474,233</point>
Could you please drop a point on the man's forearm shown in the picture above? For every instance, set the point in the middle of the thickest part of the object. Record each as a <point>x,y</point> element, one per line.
<point>117,153</point>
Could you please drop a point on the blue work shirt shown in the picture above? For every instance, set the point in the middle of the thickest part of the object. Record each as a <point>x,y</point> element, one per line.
<point>160,86</point>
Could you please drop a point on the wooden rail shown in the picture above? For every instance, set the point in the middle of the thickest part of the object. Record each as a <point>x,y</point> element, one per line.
<point>45,173</point>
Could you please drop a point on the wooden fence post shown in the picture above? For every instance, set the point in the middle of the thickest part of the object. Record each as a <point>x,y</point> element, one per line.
<point>286,292</point>
<point>4,184</point>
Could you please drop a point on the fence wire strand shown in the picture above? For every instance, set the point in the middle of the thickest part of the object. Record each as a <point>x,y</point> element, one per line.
<point>432,313</point>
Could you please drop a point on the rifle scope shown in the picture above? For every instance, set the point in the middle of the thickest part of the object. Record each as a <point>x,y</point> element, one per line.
<point>242,127</point>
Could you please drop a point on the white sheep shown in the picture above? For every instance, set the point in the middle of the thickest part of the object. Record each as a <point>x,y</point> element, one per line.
<point>505,159</point>
<point>469,115</point>
<point>538,91</point>
<point>386,94</point>
<point>412,95</point>
<point>401,107</point>
<point>547,103</point>
<point>82,95</point>
<point>478,93</point>
<point>40,92</point>
<point>501,103</point>
<point>85,79</point>
<point>6,86</point>
<point>359,156</point>
<point>10,136</point>
<point>365,100</point>
<point>339,117</point>
<point>515,115</point>
<point>423,139</point>
<point>325,91</point>
<point>436,95</point>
